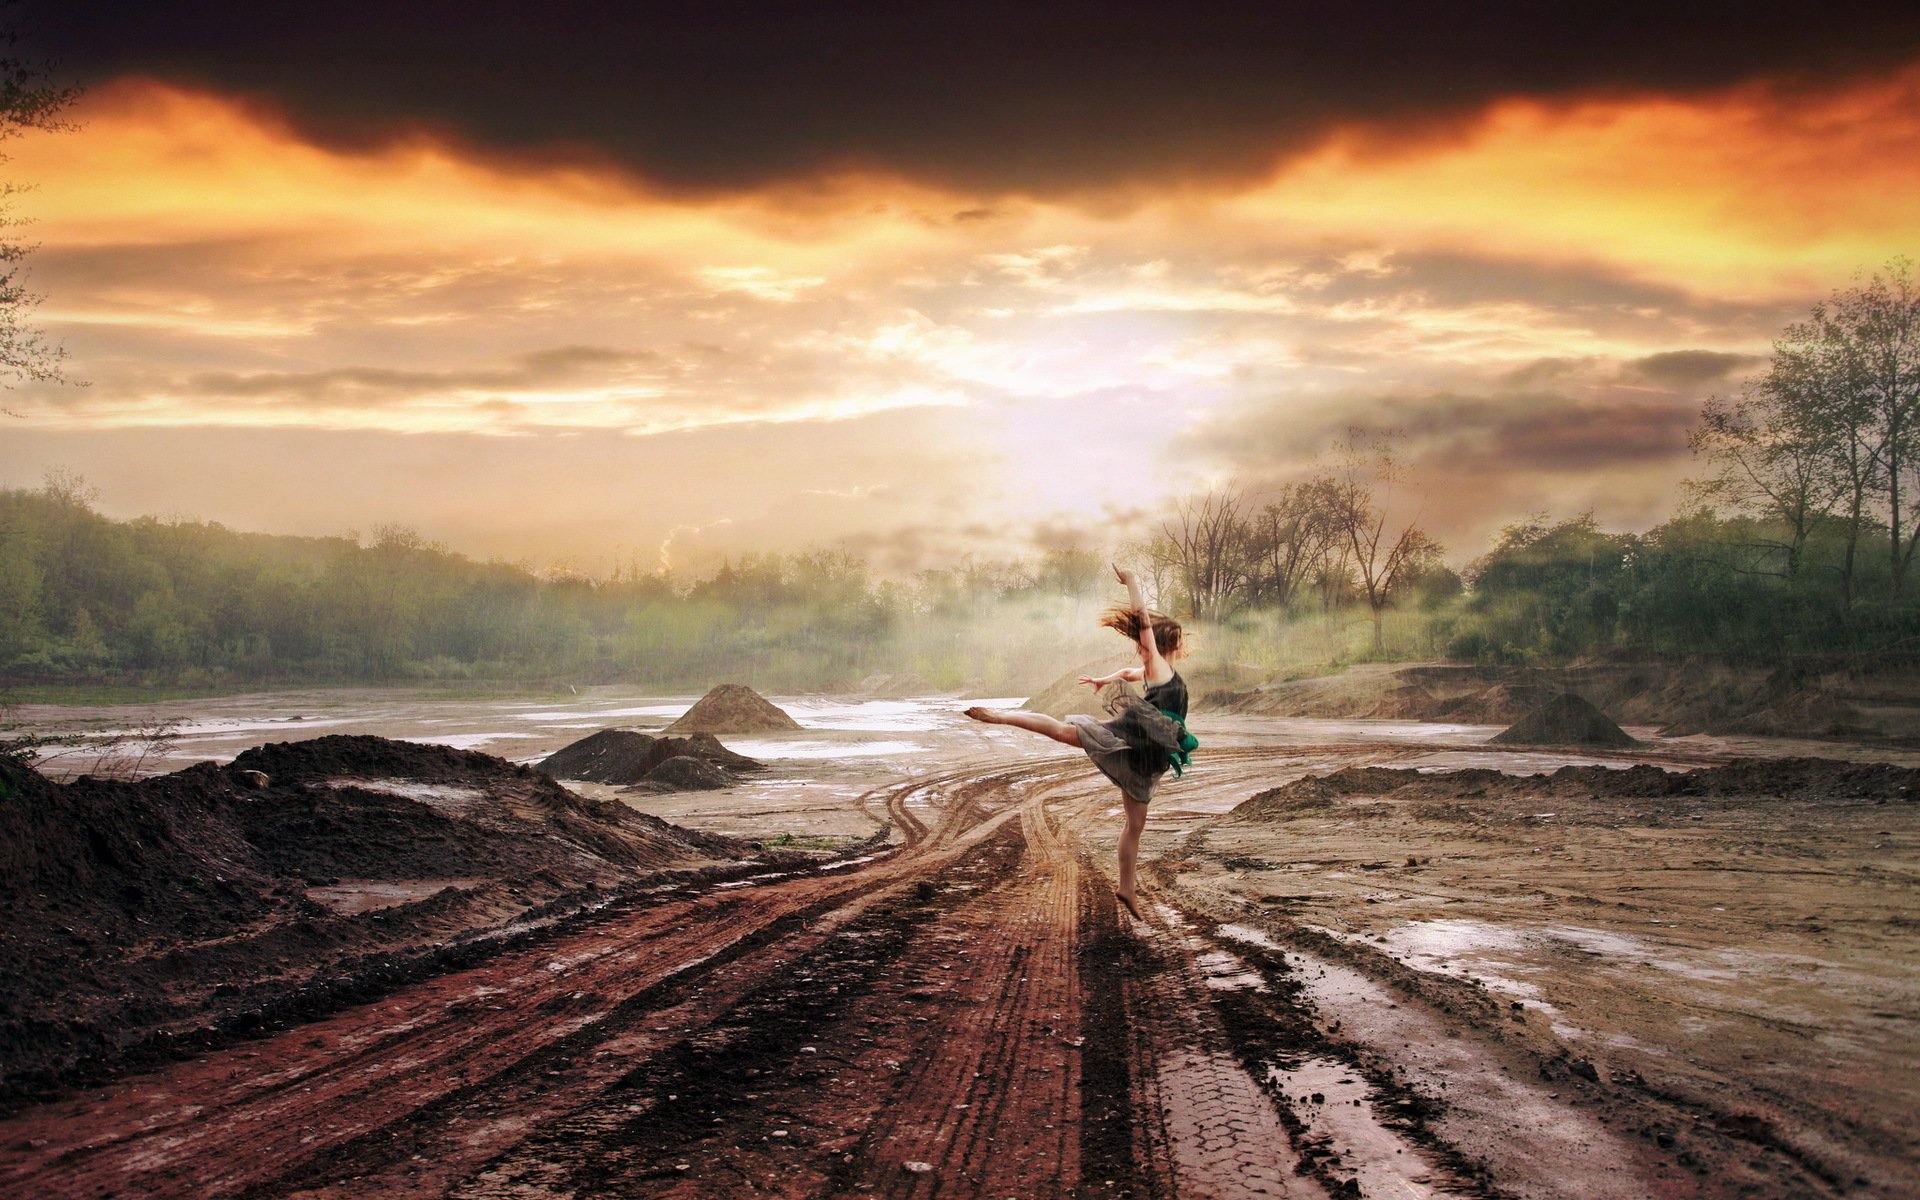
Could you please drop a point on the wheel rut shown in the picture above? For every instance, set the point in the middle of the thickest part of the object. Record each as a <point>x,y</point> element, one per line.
<point>969,1014</point>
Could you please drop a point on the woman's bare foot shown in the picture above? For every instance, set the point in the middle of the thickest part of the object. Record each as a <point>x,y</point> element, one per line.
<point>1131,906</point>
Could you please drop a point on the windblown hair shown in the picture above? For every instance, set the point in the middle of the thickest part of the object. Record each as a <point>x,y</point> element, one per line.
<point>1166,631</point>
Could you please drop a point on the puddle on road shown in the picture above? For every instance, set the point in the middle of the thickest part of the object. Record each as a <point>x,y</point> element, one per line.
<point>1336,1106</point>
<point>668,710</point>
<point>1530,762</point>
<point>1532,1139</point>
<point>1228,972</point>
<point>761,748</point>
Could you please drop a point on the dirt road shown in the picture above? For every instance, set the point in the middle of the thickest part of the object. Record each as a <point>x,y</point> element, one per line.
<point>967,1015</point>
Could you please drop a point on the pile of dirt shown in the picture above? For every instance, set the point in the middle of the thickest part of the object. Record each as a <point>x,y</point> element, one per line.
<point>734,708</point>
<point>134,907</point>
<point>1591,790</point>
<point>1067,696</point>
<point>1208,682</point>
<point>684,773</point>
<point>1565,720</point>
<point>626,756</point>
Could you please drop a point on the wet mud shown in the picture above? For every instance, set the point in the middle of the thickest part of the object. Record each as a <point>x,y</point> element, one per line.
<point>1380,981</point>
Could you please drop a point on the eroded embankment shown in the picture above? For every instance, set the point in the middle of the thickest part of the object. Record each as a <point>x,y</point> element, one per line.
<point>1856,701</point>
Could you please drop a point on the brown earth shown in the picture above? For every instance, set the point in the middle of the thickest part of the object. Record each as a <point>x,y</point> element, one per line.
<point>733,708</point>
<point>683,772</point>
<point>1381,983</point>
<point>1067,695</point>
<point>1565,720</point>
<point>192,906</point>
<point>623,756</point>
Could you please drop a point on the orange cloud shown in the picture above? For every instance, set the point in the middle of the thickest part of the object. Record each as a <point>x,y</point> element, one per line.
<point>209,269</point>
<point>1758,189</point>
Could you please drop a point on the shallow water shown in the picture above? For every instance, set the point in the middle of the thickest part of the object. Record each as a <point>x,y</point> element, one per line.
<point>902,729</point>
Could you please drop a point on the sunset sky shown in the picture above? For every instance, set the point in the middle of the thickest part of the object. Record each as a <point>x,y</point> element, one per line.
<point>666,282</point>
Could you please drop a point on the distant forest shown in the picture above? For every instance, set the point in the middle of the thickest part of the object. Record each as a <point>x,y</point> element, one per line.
<point>1797,539</point>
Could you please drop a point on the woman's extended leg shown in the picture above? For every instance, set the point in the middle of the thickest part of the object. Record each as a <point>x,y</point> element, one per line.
<point>1130,852</point>
<point>1039,723</point>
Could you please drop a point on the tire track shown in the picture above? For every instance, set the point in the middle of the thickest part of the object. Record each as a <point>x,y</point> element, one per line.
<point>965,1015</point>
<point>220,1124</point>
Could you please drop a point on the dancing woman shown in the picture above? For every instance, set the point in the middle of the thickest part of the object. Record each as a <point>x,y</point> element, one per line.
<point>1145,737</point>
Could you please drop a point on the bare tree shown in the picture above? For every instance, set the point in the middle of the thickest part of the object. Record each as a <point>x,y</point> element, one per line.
<point>1290,538</point>
<point>1385,559</point>
<point>1204,548</point>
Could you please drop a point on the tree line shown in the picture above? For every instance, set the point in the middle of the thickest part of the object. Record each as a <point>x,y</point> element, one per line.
<point>84,598</point>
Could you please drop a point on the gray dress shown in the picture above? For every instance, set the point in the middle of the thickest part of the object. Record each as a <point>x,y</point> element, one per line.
<point>1122,752</point>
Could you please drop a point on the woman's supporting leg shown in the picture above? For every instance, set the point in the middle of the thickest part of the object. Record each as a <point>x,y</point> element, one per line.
<point>1130,853</point>
<point>1039,723</point>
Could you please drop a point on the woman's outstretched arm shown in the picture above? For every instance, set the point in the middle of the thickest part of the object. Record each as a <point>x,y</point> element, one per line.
<point>1157,671</point>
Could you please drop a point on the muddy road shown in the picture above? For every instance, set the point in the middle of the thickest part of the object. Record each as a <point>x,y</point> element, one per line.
<point>968,1014</point>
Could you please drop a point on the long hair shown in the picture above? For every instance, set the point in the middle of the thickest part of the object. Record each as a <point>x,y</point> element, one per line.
<point>1167,633</point>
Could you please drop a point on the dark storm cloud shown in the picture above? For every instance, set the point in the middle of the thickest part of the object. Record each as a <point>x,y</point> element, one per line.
<point>1546,432</point>
<point>1688,368</point>
<point>1603,297</point>
<point>1511,431</point>
<point>987,95</point>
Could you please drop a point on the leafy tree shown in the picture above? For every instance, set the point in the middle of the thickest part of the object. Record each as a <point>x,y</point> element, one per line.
<point>1772,453</point>
<point>1876,326</point>
<point>1552,589</point>
<point>1291,538</point>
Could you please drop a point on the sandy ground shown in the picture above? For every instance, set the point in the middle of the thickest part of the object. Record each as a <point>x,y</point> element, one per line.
<point>1481,989</point>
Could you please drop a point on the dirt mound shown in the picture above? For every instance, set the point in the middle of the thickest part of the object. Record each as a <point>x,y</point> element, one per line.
<point>1409,703</point>
<point>624,756</point>
<point>1208,683</point>
<point>708,748</point>
<point>684,773</point>
<point>1565,720</point>
<point>1324,791</point>
<point>1067,696</point>
<point>733,708</point>
<point>1593,790</point>
<point>176,901</point>
<point>372,757</point>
